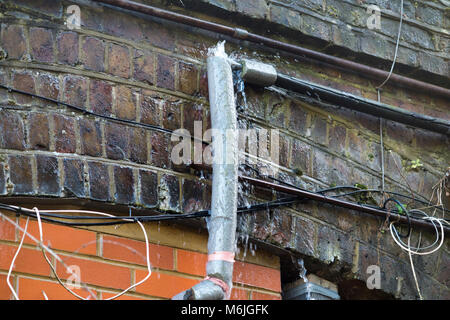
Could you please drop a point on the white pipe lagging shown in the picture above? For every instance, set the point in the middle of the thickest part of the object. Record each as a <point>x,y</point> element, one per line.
<point>222,222</point>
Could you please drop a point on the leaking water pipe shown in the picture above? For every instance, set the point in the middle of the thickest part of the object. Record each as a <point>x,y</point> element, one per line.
<point>222,222</point>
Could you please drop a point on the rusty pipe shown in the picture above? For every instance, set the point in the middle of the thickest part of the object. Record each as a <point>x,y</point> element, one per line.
<point>242,34</point>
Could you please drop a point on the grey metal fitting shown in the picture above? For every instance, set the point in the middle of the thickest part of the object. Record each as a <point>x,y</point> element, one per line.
<point>258,73</point>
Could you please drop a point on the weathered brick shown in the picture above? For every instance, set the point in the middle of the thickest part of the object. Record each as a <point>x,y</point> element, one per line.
<point>149,188</point>
<point>298,119</point>
<point>65,138</point>
<point>160,153</point>
<point>47,175</point>
<point>333,245</point>
<point>2,179</point>
<point>74,178</point>
<point>165,72</point>
<point>286,17</point>
<point>117,141</point>
<point>38,131</point>
<point>53,8</point>
<point>301,156</point>
<point>91,137</point>
<point>187,75</point>
<point>67,46</point>
<point>12,135</point>
<point>203,84</point>
<point>305,233</point>
<point>100,97</point>
<point>99,181</point>
<point>319,131</point>
<point>144,66</point>
<point>119,60</point>
<point>13,41</point>
<point>280,228</point>
<point>41,44</point>
<point>138,145</point>
<point>125,105</point>
<point>21,174</point>
<point>121,24</point>
<point>150,108</point>
<point>171,114</point>
<point>336,138</point>
<point>48,85</point>
<point>24,82</point>
<point>192,112</point>
<point>158,35</point>
<point>124,182</point>
<point>169,193</point>
<point>193,199</point>
<point>93,57</point>
<point>75,90</point>
<point>253,8</point>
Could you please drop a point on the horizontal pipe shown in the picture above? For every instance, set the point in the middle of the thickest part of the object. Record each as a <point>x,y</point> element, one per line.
<point>241,34</point>
<point>342,203</point>
<point>360,104</point>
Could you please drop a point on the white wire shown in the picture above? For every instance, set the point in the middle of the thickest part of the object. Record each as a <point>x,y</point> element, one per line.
<point>108,215</point>
<point>14,259</point>
<point>412,268</point>
<point>391,226</point>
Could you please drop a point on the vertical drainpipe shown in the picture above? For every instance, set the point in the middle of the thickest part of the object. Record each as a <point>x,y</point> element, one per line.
<point>222,222</point>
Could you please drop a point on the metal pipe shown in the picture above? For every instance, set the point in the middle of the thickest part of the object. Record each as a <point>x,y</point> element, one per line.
<point>242,34</point>
<point>342,203</point>
<point>222,222</point>
<point>360,104</point>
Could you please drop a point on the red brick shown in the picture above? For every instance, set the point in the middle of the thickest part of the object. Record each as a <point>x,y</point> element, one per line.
<point>97,273</point>
<point>5,292</point>
<point>133,251</point>
<point>100,98</point>
<point>65,139</point>
<point>257,276</point>
<point>192,112</point>
<point>21,174</point>
<point>125,105</point>
<point>62,237</point>
<point>119,61</point>
<point>106,295</point>
<point>187,75</point>
<point>23,82</point>
<point>191,262</point>
<point>144,66</point>
<point>239,294</point>
<point>165,72</point>
<point>121,24</point>
<point>264,296</point>
<point>171,112</point>
<point>28,261</point>
<point>91,137</point>
<point>75,91</point>
<point>93,57</point>
<point>48,86</point>
<point>160,153</point>
<point>41,44</point>
<point>163,285</point>
<point>32,289</point>
<point>12,135</point>
<point>13,41</point>
<point>7,230</point>
<point>67,45</point>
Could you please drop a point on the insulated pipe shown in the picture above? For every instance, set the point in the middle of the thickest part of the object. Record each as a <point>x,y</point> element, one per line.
<point>242,34</point>
<point>222,221</point>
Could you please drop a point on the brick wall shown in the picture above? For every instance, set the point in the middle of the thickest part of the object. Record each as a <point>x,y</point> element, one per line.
<point>154,72</point>
<point>110,261</point>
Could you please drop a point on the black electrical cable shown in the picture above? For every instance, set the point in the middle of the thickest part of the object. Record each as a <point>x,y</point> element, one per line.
<point>404,211</point>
